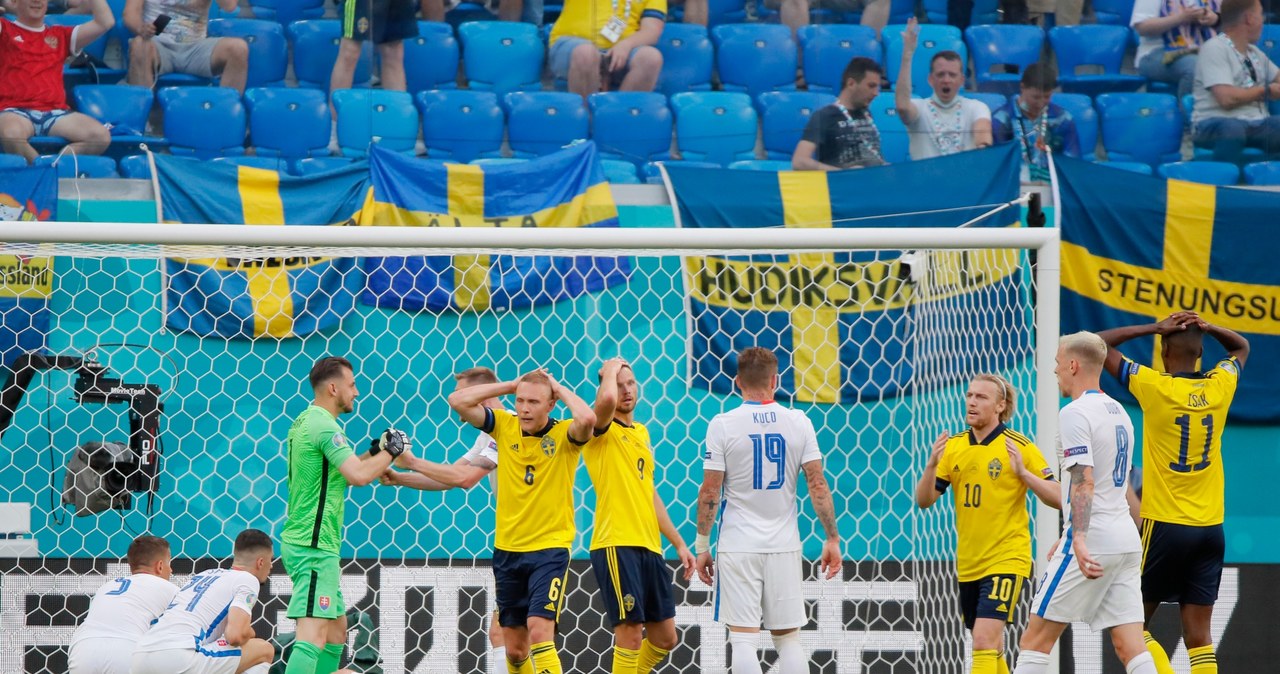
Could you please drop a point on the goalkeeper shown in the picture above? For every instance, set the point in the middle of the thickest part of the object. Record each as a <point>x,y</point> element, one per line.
<point>321,465</point>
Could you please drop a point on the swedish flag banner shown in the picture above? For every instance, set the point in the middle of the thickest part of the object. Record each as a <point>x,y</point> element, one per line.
<point>1136,248</point>
<point>272,297</point>
<point>563,189</point>
<point>841,324</point>
<point>26,281</point>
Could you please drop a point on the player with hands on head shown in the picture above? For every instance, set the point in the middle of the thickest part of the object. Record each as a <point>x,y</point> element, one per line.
<point>754,456</point>
<point>626,551</point>
<point>992,467</point>
<point>1092,576</point>
<point>1184,413</point>
<point>122,610</point>
<point>208,627</point>
<point>321,465</point>
<point>534,510</point>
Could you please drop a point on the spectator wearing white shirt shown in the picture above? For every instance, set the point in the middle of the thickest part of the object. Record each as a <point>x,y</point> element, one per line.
<point>946,122</point>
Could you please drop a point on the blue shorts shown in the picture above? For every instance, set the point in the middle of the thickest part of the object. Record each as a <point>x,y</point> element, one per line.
<point>635,584</point>
<point>561,54</point>
<point>41,120</point>
<point>1180,563</point>
<point>994,597</point>
<point>530,584</point>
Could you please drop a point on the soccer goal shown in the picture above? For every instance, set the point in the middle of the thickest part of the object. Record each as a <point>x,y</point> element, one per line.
<point>173,359</point>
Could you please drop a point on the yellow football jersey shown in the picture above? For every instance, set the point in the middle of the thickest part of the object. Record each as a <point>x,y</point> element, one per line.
<point>534,508</point>
<point>620,463</point>
<point>992,525</point>
<point>1182,421</point>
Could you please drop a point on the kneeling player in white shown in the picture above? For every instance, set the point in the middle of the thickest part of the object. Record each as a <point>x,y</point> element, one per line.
<point>122,610</point>
<point>208,628</point>
<point>1093,575</point>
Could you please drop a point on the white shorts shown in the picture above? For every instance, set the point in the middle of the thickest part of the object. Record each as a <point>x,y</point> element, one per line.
<point>1066,596</point>
<point>760,589</point>
<point>186,661</point>
<point>100,656</point>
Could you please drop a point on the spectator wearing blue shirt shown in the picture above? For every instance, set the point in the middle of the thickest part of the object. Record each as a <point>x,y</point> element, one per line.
<point>1035,123</point>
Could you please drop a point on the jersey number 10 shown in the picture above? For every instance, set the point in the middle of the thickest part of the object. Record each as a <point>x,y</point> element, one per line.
<point>771,449</point>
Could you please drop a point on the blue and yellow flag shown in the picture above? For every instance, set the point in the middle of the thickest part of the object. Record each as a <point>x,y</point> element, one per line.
<point>267,297</point>
<point>841,323</point>
<point>564,189</point>
<point>1137,248</point>
<point>26,281</point>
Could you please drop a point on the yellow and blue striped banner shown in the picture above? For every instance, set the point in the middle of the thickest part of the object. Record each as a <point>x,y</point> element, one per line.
<point>563,189</point>
<point>838,322</point>
<point>1137,248</point>
<point>250,298</point>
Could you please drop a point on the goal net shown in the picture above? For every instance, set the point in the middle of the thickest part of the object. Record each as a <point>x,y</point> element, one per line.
<point>166,347</point>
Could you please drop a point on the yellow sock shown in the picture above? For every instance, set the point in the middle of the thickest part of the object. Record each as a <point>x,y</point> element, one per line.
<point>545,659</point>
<point>984,662</point>
<point>1203,660</point>
<point>625,660</point>
<point>526,666</point>
<point>1002,665</point>
<point>1157,654</point>
<point>650,657</point>
<point>520,667</point>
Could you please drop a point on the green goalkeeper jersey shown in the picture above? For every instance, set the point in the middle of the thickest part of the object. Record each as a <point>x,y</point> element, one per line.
<point>317,491</point>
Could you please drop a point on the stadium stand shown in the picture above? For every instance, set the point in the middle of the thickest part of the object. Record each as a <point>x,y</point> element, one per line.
<point>203,122</point>
<point>461,125</point>
<point>634,126</point>
<point>933,39</point>
<point>80,166</point>
<point>431,58</point>
<point>1086,119</point>
<point>715,126</point>
<point>1140,127</point>
<point>288,123</point>
<point>996,46</point>
<point>687,59</point>
<point>502,56</point>
<point>1206,172</point>
<point>369,117</point>
<point>268,49</point>
<point>826,50</point>
<point>1262,173</point>
<point>755,58</point>
<point>542,122</point>
<point>315,48</point>
<point>784,115</point>
<point>1098,46</point>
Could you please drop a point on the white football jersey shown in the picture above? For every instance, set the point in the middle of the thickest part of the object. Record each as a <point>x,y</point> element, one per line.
<point>197,616</point>
<point>124,608</point>
<point>760,447</point>
<point>1094,430</point>
<point>484,449</point>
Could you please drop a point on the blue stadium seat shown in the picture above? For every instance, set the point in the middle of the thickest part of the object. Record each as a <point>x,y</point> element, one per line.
<point>431,59</point>
<point>715,126</point>
<point>1262,173</point>
<point>1086,119</point>
<point>375,117</point>
<point>204,122</point>
<point>761,165</point>
<point>8,161</point>
<point>126,108</point>
<point>289,123</point>
<point>984,12</point>
<point>268,51</point>
<point>502,56</point>
<point>315,49</point>
<point>718,12</point>
<point>268,163</point>
<point>1140,127</point>
<point>994,101</point>
<point>784,116</point>
<point>1132,166</point>
<point>134,166</point>
<point>97,49</point>
<point>461,125</point>
<point>1270,42</point>
<point>895,144</point>
<point>631,125</point>
<point>542,122</point>
<point>755,58</point>
<point>286,12</point>
<point>998,45</point>
<point>79,166</point>
<point>687,59</point>
<point>1206,172</point>
<point>313,165</point>
<point>620,172</point>
<point>1094,46</point>
<point>933,39</point>
<point>828,49</point>
<point>1113,12</point>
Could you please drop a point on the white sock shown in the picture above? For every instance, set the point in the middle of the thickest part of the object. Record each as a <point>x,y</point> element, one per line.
<point>1143,663</point>
<point>745,659</point>
<point>791,657</point>
<point>498,660</point>
<point>262,668</point>
<point>1031,662</point>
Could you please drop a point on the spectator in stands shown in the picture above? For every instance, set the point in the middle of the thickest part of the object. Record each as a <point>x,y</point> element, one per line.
<point>33,101</point>
<point>795,13</point>
<point>528,11</point>
<point>1234,81</point>
<point>1035,123</point>
<point>843,135</point>
<point>1170,34</point>
<point>960,12</point>
<point>600,46</point>
<point>945,123</point>
<point>388,23</point>
<point>180,44</point>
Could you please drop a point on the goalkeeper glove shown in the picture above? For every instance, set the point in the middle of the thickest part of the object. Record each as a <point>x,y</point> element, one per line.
<point>391,441</point>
